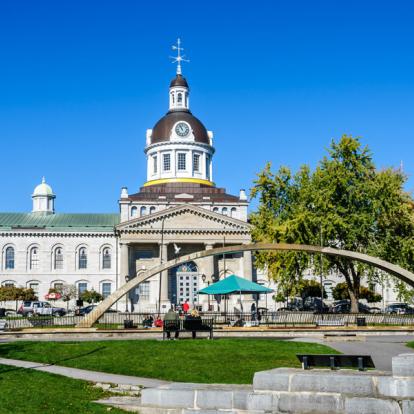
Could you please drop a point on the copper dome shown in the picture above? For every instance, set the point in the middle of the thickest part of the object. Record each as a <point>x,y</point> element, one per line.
<point>179,80</point>
<point>162,129</point>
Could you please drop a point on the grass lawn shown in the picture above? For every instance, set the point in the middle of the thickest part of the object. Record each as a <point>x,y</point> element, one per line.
<point>410,344</point>
<point>232,361</point>
<point>29,391</point>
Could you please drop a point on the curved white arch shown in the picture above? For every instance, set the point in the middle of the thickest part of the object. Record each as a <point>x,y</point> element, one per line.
<point>390,268</point>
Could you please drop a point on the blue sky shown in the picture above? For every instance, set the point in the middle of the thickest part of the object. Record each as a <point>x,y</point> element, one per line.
<point>81,81</point>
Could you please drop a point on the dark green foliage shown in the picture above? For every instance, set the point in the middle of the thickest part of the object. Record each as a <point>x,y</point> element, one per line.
<point>346,203</point>
<point>340,291</point>
<point>91,296</point>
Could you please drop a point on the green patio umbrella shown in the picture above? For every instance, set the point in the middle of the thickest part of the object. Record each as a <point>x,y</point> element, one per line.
<point>234,284</point>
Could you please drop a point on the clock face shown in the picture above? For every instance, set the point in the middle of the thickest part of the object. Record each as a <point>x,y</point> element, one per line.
<point>182,129</point>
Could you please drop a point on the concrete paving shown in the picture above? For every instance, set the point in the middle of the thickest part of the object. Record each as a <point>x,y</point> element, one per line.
<point>381,348</point>
<point>93,376</point>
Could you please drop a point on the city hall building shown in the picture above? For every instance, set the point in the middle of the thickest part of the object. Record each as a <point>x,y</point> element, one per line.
<point>178,210</point>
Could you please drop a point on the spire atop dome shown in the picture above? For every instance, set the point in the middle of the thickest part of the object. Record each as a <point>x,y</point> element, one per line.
<point>179,58</point>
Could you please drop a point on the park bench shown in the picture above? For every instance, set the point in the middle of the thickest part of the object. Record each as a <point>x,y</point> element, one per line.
<point>188,325</point>
<point>330,322</point>
<point>336,361</point>
<point>3,324</point>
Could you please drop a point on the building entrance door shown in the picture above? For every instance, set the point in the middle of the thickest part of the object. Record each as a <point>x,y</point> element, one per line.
<point>187,283</point>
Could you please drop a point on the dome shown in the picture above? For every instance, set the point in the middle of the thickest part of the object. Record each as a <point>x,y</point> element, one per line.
<point>43,189</point>
<point>179,81</point>
<point>162,129</point>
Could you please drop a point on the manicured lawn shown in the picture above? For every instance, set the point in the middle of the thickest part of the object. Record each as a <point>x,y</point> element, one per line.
<point>29,391</point>
<point>231,361</point>
<point>410,344</point>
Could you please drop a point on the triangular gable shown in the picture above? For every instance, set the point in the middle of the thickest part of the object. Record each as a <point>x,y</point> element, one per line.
<point>188,217</point>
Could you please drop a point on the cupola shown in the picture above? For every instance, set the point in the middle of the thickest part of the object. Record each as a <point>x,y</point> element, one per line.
<point>43,198</point>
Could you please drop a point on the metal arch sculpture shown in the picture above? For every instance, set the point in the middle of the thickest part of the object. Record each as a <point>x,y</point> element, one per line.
<point>390,268</point>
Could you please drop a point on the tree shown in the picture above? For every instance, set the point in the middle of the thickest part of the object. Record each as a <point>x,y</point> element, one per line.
<point>347,201</point>
<point>9,293</point>
<point>91,296</point>
<point>310,289</point>
<point>68,293</point>
<point>340,292</point>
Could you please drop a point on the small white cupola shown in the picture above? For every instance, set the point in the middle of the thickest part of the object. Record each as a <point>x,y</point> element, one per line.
<point>43,199</point>
<point>179,97</point>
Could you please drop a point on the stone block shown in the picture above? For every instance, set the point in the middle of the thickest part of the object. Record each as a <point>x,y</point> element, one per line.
<point>408,407</point>
<point>214,399</point>
<point>240,399</point>
<point>403,365</point>
<point>262,401</point>
<point>371,406</point>
<point>169,398</point>
<point>335,383</point>
<point>274,380</point>
<point>310,403</point>
<point>396,387</point>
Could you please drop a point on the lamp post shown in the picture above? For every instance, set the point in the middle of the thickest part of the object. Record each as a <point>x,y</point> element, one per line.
<point>126,295</point>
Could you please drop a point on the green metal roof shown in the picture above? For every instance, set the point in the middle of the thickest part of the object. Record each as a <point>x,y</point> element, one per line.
<point>58,222</point>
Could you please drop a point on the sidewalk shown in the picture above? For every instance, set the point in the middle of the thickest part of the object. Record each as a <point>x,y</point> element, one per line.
<point>82,374</point>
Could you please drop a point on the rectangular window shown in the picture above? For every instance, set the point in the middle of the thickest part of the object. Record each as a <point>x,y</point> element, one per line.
<point>82,286</point>
<point>181,162</point>
<point>106,289</point>
<point>196,162</point>
<point>144,291</point>
<point>155,163</point>
<point>166,162</point>
<point>58,286</point>
<point>34,287</point>
<point>208,167</point>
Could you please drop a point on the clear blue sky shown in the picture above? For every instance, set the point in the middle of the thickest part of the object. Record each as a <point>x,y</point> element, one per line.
<point>81,81</point>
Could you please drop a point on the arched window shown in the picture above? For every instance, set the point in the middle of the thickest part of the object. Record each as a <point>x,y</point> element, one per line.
<point>34,258</point>
<point>224,211</point>
<point>152,210</point>
<point>233,212</point>
<point>106,258</point>
<point>143,211</point>
<point>215,210</point>
<point>180,99</point>
<point>9,258</point>
<point>83,258</point>
<point>134,212</point>
<point>58,259</point>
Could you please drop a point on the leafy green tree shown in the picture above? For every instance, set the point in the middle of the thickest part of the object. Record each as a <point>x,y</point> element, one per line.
<point>340,292</point>
<point>310,289</point>
<point>91,296</point>
<point>348,202</point>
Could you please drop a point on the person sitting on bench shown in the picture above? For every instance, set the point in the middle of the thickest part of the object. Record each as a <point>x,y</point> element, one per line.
<point>172,323</point>
<point>193,320</point>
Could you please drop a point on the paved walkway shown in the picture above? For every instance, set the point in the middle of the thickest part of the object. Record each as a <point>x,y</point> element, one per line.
<point>381,348</point>
<point>93,376</point>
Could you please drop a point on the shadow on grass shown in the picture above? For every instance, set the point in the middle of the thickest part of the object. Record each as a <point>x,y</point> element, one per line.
<point>10,348</point>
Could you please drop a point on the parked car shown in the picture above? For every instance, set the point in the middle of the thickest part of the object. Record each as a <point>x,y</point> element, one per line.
<point>315,305</point>
<point>30,308</point>
<point>399,308</point>
<point>345,307</point>
<point>88,309</point>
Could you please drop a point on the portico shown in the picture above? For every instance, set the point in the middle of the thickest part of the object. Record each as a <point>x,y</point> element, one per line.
<point>148,241</point>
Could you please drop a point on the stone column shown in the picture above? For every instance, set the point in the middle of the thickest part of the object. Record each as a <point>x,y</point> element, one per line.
<point>247,265</point>
<point>124,261</point>
<point>209,264</point>
<point>164,275</point>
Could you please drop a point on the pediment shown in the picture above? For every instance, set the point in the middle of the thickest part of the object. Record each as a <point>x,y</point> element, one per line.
<point>184,218</point>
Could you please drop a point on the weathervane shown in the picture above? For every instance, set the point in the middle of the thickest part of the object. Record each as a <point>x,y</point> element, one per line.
<point>179,58</point>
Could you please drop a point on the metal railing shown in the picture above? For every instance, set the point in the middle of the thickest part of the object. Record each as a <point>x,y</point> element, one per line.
<point>121,320</point>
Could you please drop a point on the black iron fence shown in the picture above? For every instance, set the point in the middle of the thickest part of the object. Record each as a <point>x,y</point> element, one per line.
<point>122,320</point>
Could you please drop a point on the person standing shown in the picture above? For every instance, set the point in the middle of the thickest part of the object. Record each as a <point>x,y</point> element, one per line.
<point>172,323</point>
<point>186,306</point>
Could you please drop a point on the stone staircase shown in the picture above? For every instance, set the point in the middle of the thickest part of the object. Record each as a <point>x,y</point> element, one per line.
<point>287,391</point>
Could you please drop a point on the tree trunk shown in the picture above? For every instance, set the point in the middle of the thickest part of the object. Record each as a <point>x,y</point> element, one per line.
<point>354,301</point>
